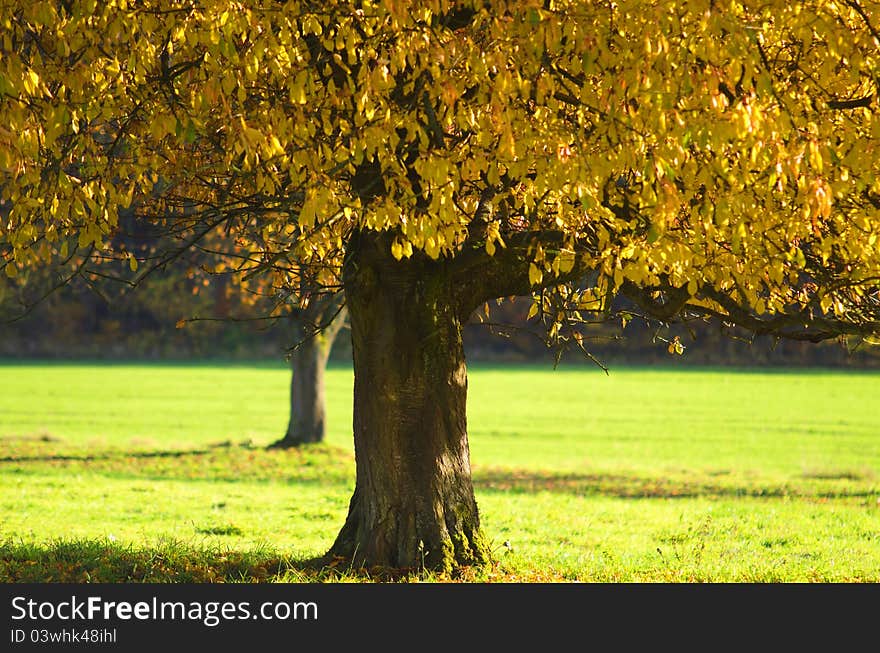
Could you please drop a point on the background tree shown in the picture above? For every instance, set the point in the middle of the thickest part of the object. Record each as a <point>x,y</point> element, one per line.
<point>313,308</point>
<point>314,328</point>
<point>715,160</point>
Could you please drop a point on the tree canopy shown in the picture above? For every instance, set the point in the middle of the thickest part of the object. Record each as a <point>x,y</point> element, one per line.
<point>722,151</point>
<point>715,159</point>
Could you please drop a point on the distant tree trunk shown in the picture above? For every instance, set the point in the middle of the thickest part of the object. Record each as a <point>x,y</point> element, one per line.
<point>413,504</point>
<point>308,361</point>
<point>307,411</point>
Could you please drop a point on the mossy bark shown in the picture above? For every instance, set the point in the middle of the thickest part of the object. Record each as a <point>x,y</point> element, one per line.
<point>413,505</point>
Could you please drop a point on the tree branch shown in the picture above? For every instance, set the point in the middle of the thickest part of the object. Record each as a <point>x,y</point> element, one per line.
<point>802,325</point>
<point>851,104</point>
<point>676,299</point>
<point>481,277</point>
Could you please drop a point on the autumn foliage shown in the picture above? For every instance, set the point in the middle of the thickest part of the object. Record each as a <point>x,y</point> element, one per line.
<point>727,150</point>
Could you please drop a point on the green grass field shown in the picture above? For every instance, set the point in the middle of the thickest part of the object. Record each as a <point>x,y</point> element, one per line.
<point>159,473</point>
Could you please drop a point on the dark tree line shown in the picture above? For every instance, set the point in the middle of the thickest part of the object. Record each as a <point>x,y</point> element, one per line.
<point>78,322</point>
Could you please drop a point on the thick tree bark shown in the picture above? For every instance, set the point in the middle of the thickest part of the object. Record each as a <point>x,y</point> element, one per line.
<point>308,362</point>
<point>413,504</point>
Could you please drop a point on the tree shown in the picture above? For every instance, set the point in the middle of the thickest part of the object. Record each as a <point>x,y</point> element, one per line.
<point>715,160</point>
<point>314,329</point>
<point>313,307</point>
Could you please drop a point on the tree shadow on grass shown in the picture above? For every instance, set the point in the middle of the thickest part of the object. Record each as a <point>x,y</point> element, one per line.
<point>222,461</point>
<point>93,561</point>
<point>41,454</point>
<point>326,464</point>
<point>683,486</point>
<point>87,458</point>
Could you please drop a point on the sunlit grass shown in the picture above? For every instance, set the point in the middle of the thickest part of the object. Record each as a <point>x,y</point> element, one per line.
<point>644,475</point>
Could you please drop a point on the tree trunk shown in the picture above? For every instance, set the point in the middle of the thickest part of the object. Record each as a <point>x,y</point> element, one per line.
<point>413,504</point>
<point>307,412</point>
<point>308,361</point>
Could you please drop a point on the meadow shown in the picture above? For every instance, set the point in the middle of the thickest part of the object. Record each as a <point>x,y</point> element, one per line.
<point>136,472</point>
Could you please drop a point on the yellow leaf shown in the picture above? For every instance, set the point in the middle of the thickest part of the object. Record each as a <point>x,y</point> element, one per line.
<point>566,261</point>
<point>432,247</point>
<point>760,306</point>
<point>397,250</point>
<point>533,311</point>
<point>675,346</point>
<point>31,82</point>
<point>275,146</point>
<point>309,209</point>
<point>535,275</point>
